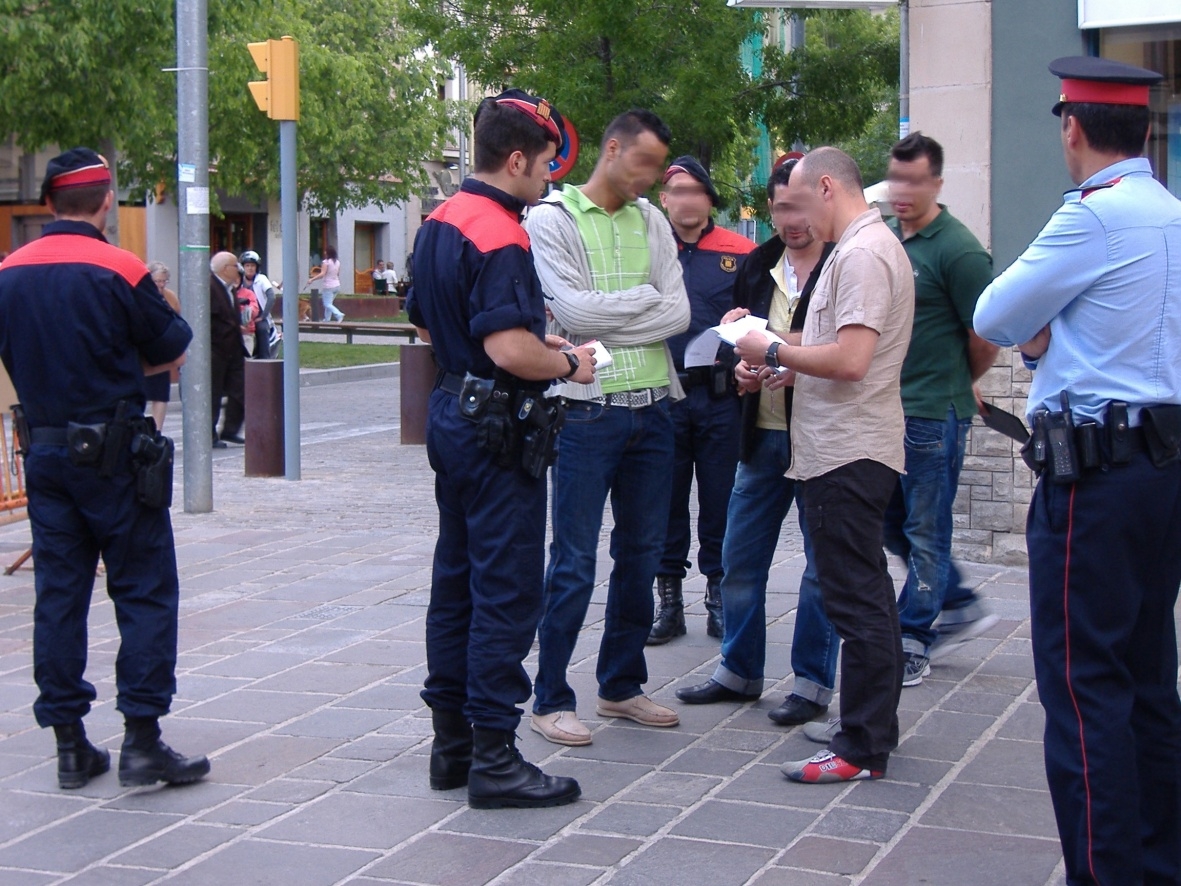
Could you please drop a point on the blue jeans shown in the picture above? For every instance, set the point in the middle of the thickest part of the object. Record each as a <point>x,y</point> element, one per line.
<point>759,504</point>
<point>627,453</point>
<point>918,528</point>
<point>331,312</point>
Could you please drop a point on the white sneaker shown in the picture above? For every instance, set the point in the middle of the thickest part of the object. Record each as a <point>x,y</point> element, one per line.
<point>561,727</point>
<point>952,636</point>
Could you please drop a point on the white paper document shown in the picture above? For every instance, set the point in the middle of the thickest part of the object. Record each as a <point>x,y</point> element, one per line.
<point>703,350</point>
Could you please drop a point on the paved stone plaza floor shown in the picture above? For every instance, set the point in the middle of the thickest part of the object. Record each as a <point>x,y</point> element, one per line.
<point>301,658</point>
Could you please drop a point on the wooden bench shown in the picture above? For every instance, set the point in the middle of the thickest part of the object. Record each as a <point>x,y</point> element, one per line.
<point>349,328</point>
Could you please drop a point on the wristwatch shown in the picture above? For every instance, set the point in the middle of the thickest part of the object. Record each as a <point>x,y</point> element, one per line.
<point>572,359</point>
<point>772,358</point>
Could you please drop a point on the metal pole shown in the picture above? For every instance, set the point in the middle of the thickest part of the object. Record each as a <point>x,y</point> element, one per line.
<point>461,78</point>
<point>287,210</point>
<point>192,207</point>
<point>903,68</point>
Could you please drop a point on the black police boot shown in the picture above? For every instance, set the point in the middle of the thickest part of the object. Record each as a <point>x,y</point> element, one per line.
<point>451,751</point>
<point>78,760</point>
<point>670,615</point>
<point>500,777</point>
<point>144,759</point>
<point>714,626</point>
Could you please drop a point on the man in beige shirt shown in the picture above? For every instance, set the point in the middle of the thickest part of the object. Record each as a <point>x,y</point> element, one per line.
<point>846,443</point>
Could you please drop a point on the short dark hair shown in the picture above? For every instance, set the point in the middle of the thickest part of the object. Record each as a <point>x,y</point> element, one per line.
<point>780,176</point>
<point>918,145</point>
<point>628,125</point>
<point>79,201</point>
<point>834,163</point>
<point>1110,129</point>
<point>502,129</point>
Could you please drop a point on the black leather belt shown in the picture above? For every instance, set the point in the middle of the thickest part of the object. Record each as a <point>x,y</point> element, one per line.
<point>47,436</point>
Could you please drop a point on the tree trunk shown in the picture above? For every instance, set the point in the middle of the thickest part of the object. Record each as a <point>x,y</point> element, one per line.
<point>107,148</point>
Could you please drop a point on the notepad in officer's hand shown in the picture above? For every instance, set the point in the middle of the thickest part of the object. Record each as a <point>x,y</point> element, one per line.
<point>1004,423</point>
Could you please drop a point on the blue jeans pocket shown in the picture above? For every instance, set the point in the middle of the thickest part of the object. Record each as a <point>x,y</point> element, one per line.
<point>583,412</point>
<point>923,435</point>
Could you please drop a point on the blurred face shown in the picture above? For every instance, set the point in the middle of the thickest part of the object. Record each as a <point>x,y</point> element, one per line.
<point>788,218</point>
<point>251,269</point>
<point>535,177</point>
<point>633,169</point>
<point>814,201</point>
<point>913,189</point>
<point>161,278</point>
<point>686,201</point>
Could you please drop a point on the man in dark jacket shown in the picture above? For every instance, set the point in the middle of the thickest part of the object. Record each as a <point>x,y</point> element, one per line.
<point>227,355</point>
<point>775,282</point>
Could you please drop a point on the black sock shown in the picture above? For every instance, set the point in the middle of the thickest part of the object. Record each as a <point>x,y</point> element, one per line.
<point>141,733</point>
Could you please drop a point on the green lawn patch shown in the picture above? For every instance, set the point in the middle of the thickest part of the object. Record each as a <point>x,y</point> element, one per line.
<point>330,355</point>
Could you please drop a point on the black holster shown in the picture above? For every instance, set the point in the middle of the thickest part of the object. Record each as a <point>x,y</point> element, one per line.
<point>153,454</point>
<point>541,420</point>
<point>1162,433</point>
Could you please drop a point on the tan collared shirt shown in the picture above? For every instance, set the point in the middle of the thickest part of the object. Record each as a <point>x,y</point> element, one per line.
<point>867,281</point>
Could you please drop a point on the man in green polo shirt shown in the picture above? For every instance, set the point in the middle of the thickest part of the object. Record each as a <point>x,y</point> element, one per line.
<point>951,269</point>
<point>608,264</point>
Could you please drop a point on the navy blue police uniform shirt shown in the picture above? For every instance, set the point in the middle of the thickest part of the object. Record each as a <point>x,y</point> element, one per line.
<point>77,316</point>
<point>710,267</point>
<point>473,276</point>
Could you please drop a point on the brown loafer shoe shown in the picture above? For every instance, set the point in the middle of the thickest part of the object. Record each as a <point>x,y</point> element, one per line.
<point>639,709</point>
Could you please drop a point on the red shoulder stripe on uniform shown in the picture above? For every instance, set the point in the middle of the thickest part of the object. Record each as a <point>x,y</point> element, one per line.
<point>722,240</point>
<point>65,249</point>
<point>487,224</point>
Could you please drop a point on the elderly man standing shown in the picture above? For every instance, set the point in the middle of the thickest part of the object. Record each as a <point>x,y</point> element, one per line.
<point>846,447</point>
<point>227,354</point>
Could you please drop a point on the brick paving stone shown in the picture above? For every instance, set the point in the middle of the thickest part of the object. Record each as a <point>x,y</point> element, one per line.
<point>734,822</point>
<point>177,846</point>
<point>516,824</point>
<point>828,854</point>
<point>357,820</point>
<point>540,874</point>
<point>81,840</point>
<point>990,809</point>
<point>447,859</point>
<point>665,862</point>
<point>633,819</point>
<point>112,875</point>
<point>590,849</point>
<point>878,825</point>
<point>777,876</point>
<point>932,855</point>
<point>279,863</point>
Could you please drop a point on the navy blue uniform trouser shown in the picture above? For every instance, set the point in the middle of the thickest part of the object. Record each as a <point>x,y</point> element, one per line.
<point>75,516</point>
<point>1105,565</point>
<point>706,433</point>
<point>488,571</point>
<point>844,510</point>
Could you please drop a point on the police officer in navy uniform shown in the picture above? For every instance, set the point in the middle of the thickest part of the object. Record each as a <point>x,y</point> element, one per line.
<point>706,421</point>
<point>477,297</point>
<point>81,324</point>
<point>1095,305</point>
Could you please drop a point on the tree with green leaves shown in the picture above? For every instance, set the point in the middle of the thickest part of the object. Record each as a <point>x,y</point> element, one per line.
<point>93,73</point>
<point>597,58</point>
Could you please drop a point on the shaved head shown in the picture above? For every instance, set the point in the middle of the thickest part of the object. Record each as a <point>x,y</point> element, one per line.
<point>834,163</point>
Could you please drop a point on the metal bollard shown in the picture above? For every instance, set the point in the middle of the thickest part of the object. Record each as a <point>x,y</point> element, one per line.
<point>416,381</point>
<point>264,419</point>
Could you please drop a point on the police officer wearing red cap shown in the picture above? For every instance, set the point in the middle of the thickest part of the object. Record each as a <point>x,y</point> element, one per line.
<point>706,421</point>
<point>1095,305</point>
<point>81,324</point>
<point>477,295</point>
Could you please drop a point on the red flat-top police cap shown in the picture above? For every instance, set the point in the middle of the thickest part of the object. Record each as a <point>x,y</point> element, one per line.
<point>76,168</point>
<point>545,115</point>
<point>1101,81</point>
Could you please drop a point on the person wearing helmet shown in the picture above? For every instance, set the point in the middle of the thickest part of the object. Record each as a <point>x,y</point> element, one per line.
<point>265,334</point>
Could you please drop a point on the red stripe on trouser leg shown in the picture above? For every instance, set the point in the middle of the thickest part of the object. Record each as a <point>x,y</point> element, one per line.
<point>1070,688</point>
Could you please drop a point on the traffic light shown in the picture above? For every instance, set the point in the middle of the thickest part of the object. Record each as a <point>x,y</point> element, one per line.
<point>278,95</point>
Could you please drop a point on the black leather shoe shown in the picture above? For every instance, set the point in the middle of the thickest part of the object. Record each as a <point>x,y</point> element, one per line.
<point>220,444</point>
<point>712,691</point>
<point>78,760</point>
<point>138,767</point>
<point>234,438</point>
<point>796,710</point>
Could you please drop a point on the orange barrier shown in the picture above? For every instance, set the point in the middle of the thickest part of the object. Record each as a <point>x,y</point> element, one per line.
<point>13,501</point>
